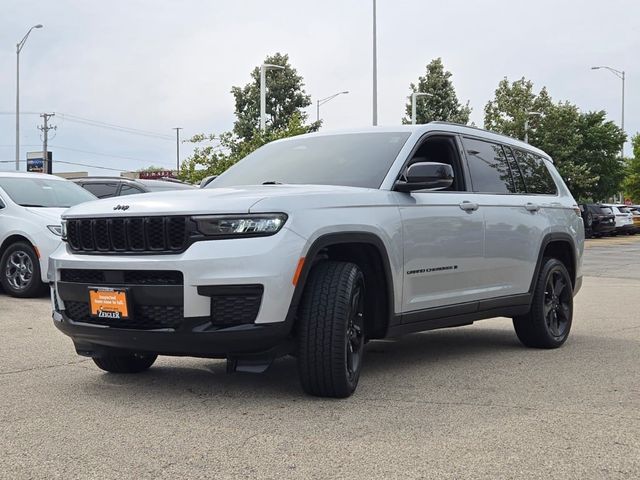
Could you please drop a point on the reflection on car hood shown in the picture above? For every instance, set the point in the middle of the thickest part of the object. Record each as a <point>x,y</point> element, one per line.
<point>207,201</point>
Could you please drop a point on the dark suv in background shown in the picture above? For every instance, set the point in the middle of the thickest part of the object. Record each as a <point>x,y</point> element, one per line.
<point>598,220</point>
<point>105,187</point>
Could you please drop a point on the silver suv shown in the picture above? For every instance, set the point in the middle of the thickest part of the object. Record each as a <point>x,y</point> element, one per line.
<point>314,245</point>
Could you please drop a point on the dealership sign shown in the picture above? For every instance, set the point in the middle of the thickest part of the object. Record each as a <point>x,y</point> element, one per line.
<point>157,174</point>
<point>36,163</point>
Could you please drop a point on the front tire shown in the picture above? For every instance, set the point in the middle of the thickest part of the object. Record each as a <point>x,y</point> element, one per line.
<point>128,363</point>
<point>20,271</point>
<point>331,330</point>
<point>548,323</point>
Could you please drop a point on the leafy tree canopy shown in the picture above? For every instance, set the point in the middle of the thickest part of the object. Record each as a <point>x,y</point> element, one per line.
<point>584,146</point>
<point>631,181</point>
<point>285,98</point>
<point>442,102</point>
<point>216,153</point>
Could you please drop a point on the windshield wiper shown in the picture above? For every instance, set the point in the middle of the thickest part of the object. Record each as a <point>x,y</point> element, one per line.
<point>32,205</point>
<point>271,182</point>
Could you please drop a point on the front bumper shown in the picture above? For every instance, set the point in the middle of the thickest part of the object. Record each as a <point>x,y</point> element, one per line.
<point>189,317</point>
<point>195,338</point>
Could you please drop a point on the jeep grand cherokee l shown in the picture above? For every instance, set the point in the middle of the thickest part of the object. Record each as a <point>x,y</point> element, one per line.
<point>316,244</point>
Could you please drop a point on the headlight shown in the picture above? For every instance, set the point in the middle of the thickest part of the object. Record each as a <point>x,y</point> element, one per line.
<point>55,229</point>
<point>258,225</point>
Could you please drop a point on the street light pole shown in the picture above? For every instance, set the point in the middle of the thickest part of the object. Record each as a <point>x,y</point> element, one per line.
<point>177,129</point>
<point>414,96</point>
<point>325,100</point>
<point>19,47</point>
<point>375,70</point>
<point>526,125</point>
<point>621,75</point>
<point>263,92</point>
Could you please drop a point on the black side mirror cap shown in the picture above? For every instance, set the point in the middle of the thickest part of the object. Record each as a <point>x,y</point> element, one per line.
<point>426,175</point>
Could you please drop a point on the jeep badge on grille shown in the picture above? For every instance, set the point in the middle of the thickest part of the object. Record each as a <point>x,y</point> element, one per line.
<point>121,207</point>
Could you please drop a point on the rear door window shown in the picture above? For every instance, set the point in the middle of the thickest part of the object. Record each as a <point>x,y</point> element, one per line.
<point>488,167</point>
<point>536,175</point>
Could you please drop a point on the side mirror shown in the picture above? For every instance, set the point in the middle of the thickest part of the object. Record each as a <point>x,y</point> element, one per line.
<point>426,175</point>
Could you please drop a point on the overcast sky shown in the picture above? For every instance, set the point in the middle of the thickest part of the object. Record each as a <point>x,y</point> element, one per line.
<point>154,65</point>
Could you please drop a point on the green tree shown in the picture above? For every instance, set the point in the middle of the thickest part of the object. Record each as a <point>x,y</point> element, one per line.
<point>216,153</point>
<point>584,146</point>
<point>285,98</point>
<point>442,102</point>
<point>599,150</point>
<point>512,104</point>
<point>631,182</point>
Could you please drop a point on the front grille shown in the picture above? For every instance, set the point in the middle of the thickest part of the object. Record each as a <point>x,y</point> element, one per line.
<point>143,317</point>
<point>129,234</point>
<point>119,277</point>
<point>234,309</point>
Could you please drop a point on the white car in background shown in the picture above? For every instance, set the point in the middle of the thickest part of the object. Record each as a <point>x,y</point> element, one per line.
<point>30,227</point>
<point>624,218</point>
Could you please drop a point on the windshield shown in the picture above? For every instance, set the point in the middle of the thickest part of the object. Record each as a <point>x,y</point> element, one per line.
<point>43,192</point>
<point>354,160</point>
<point>606,210</point>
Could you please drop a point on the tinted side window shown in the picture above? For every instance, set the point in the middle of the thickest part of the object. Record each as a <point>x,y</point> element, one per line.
<point>129,190</point>
<point>102,190</point>
<point>536,175</point>
<point>518,180</point>
<point>488,167</point>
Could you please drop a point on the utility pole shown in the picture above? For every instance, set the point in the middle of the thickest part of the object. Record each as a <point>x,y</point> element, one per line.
<point>45,140</point>
<point>375,70</point>
<point>177,129</point>
<point>414,97</point>
<point>19,47</point>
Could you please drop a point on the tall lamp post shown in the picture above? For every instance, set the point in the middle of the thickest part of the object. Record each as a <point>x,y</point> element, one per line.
<point>620,74</point>
<point>19,47</point>
<point>263,92</point>
<point>414,97</point>
<point>375,70</point>
<point>322,101</point>
<point>526,125</point>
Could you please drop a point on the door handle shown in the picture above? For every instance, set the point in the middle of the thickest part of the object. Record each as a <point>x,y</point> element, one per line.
<point>468,206</point>
<point>532,207</point>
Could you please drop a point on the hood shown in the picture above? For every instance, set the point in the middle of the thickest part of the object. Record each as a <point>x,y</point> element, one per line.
<point>228,200</point>
<point>51,215</point>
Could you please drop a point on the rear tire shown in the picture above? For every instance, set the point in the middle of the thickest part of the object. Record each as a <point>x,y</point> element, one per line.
<point>132,363</point>
<point>20,271</point>
<point>548,323</point>
<point>331,333</point>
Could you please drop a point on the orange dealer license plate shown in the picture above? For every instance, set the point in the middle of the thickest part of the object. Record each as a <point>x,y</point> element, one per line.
<point>108,303</point>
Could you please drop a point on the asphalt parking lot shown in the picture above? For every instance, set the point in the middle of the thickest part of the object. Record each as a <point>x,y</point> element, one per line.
<point>459,403</point>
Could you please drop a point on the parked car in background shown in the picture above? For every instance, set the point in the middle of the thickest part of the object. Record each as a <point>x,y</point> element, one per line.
<point>106,187</point>
<point>598,220</point>
<point>624,219</point>
<point>635,212</point>
<point>30,227</point>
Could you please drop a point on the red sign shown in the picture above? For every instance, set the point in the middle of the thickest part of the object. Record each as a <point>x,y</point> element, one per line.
<point>157,174</point>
